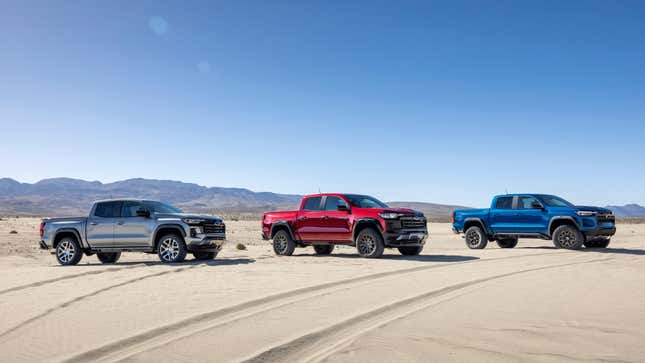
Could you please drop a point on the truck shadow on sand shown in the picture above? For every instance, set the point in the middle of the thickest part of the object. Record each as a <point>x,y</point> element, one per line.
<point>619,251</point>
<point>422,258</point>
<point>215,262</point>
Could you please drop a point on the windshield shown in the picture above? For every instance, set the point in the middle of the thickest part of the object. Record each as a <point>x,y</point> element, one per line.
<point>364,201</point>
<point>553,201</point>
<point>158,207</point>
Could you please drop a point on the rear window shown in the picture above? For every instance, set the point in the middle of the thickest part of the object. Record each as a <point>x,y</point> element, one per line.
<point>108,210</point>
<point>504,203</point>
<point>312,203</point>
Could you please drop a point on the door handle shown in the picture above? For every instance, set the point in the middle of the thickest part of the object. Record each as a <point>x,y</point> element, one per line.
<point>324,217</point>
<point>120,223</point>
<point>303,217</point>
<point>93,223</point>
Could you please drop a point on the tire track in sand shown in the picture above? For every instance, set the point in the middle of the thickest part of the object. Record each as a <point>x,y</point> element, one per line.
<point>122,346</point>
<point>67,303</point>
<point>329,339</point>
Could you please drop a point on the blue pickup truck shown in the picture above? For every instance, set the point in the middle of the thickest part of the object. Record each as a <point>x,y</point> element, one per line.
<point>514,216</point>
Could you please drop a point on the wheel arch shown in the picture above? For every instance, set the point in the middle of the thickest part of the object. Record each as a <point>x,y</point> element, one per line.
<point>282,226</point>
<point>67,232</point>
<point>165,229</point>
<point>469,222</point>
<point>558,221</point>
<point>363,223</point>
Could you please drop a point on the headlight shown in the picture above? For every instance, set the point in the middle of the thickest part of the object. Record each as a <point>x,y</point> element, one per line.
<point>584,213</point>
<point>389,215</point>
<point>192,221</point>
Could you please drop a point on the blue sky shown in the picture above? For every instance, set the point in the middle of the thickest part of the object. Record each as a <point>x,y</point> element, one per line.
<point>438,101</point>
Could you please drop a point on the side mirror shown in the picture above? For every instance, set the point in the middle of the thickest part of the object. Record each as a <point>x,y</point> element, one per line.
<point>537,206</point>
<point>142,212</point>
<point>343,207</point>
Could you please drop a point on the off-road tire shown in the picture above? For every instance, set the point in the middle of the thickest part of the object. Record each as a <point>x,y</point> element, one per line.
<point>601,242</point>
<point>283,244</point>
<point>476,238</point>
<point>171,248</point>
<point>108,257</point>
<point>507,242</point>
<point>568,237</point>
<point>369,243</point>
<point>324,249</point>
<point>410,250</point>
<point>68,251</point>
<point>202,255</point>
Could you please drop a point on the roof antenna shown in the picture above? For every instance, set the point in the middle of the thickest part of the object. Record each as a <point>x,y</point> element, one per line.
<point>319,190</point>
<point>506,190</point>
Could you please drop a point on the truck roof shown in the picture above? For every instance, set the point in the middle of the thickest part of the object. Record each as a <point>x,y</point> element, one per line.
<point>124,200</point>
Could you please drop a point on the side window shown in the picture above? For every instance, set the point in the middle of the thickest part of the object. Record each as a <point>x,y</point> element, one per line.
<point>332,203</point>
<point>108,210</point>
<point>504,203</point>
<point>129,209</point>
<point>312,204</point>
<point>526,202</point>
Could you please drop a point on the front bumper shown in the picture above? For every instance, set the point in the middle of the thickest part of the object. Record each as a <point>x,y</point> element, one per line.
<point>405,238</point>
<point>600,232</point>
<point>206,242</point>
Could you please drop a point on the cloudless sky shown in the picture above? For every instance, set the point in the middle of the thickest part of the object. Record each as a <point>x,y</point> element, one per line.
<point>437,101</point>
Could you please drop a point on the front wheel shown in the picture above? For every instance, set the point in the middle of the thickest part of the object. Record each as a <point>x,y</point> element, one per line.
<point>68,251</point>
<point>283,244</point>
<point>323,249</point>
<point>410,250</point>
<point>201,255</point>
<point>507,242</point>
<point>171,249</point>
<point>568,237</point>
<point>601,242</point>
<point>108,257</point>
<point>369,243</point>
<point>476,239</point>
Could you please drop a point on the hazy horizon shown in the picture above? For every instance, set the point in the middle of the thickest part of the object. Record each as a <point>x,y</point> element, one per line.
<point>445,102</point>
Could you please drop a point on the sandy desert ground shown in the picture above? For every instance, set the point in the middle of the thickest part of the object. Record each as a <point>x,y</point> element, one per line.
<point>531,303</point>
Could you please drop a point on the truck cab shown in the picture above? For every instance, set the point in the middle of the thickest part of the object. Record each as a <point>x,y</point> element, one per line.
<point>544,216</point>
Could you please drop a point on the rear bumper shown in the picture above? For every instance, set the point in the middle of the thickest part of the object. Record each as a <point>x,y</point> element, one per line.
<point>43,245</point>
<point>600,232</point>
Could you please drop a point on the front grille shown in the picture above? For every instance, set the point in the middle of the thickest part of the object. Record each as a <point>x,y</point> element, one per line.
<point>603,218</point>
<point>214,228</point>
<point>413,223</point>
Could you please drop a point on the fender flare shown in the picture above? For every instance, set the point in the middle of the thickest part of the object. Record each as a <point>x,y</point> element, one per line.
<point>479,221</point>
<point>561,218</point>
<point>361,221</point>
<point>73,231</point>
<point>281,224</point>
<point>174,226</point>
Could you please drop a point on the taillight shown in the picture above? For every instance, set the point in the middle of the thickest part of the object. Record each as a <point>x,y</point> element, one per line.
<point>452,217</point>
<point>42,228</point>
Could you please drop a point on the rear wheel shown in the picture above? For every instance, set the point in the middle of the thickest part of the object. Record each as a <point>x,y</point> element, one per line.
<point>601,242</point>
<point>201,255</point>
<point>171,249</point>
<point>108,257</point>
<point>283,244</point>
<point>68,251</point>
<point>369,243</point>
<point>323,249</point>
<point>410,250</point>
<point>507,242</point>
<point>476,239</point>
<point>568,237</point>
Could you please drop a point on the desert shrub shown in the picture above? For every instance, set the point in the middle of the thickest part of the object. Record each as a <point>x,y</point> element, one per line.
<point>240,246</point>
<point>13,231</point>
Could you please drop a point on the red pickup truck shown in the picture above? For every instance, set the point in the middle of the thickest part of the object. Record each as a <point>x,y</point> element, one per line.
<point>326,220</point>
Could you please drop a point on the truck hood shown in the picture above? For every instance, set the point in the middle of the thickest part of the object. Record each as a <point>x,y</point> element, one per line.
<point>403,211</point>
<point>216,219</point>
<point>593,209</point>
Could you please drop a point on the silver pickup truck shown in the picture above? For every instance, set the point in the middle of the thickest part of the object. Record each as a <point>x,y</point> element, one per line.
<point>115,226</point>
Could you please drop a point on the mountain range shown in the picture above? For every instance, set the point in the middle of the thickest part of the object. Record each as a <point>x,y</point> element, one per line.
<point>66,197</point>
